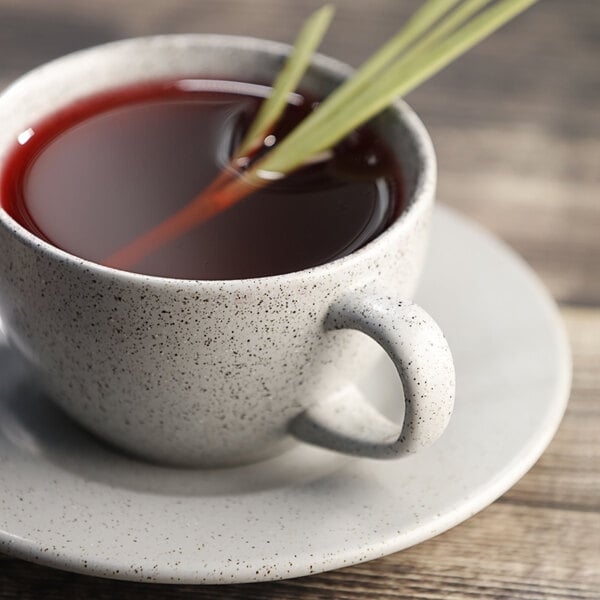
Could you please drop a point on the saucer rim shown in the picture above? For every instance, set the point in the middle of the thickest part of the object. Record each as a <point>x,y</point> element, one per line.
<point>477,499</point>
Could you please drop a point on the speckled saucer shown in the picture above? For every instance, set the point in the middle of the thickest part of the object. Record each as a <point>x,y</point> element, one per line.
<point>68,501</point>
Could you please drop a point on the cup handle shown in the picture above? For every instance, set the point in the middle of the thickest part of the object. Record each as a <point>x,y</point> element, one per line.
<point>418,348</point>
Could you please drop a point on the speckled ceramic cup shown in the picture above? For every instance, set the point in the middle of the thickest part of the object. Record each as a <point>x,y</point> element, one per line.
<point>212,373</point>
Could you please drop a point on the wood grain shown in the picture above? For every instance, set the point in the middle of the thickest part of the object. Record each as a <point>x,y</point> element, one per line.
<point>516,126</point>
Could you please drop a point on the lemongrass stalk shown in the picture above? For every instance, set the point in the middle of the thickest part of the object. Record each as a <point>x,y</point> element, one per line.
<point>288,79</point>
<point>347,93</point>
<point>455,19</point>
<point>400,79</point>
<point>419,23</point>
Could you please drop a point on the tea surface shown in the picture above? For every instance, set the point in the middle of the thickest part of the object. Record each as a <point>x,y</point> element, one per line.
<point>101,172</point>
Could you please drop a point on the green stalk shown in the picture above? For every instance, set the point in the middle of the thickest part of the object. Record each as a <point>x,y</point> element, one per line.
<point>456,18</point>
<point>288,79</point>
<point>420,22</point>
<point>402,77</point>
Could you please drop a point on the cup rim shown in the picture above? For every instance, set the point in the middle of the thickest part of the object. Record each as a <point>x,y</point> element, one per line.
<point>423,188</point>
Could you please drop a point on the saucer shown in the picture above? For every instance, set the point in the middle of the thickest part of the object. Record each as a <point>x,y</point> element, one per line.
<point>69,501</point>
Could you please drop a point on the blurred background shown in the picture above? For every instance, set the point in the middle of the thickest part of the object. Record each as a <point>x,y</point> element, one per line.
<point>515,122</point>
<point>516,125</point>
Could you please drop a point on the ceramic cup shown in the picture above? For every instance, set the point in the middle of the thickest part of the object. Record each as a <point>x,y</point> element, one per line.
<point>212,373</point>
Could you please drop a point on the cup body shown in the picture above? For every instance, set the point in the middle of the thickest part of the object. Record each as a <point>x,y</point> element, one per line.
<point>183,372</point>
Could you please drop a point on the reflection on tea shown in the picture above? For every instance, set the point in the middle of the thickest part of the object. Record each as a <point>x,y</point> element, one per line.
<point>103,171</point>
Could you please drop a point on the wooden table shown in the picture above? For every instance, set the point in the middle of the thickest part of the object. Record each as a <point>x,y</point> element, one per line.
<point>516,124</point>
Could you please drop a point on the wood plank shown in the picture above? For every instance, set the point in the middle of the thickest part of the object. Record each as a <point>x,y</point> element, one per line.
<point>507,552</point>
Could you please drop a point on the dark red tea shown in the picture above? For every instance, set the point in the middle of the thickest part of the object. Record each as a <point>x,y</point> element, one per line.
<point>97,175</point>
